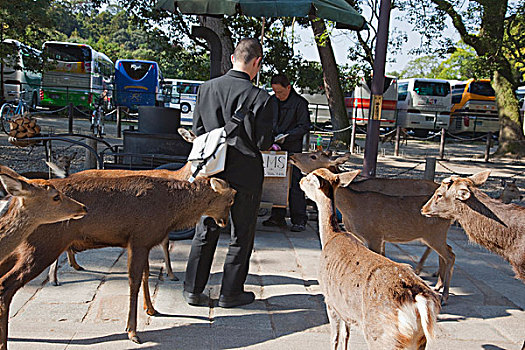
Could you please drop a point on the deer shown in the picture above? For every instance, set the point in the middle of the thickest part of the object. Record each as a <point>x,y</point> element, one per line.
<point>497,226</point>
<point>183,173</point>
<point>380,210</point>
<point>509,192</point>
<point>134,212</point>
<point>60,167</point>
<point>29,205</point>
<point>393,307</point>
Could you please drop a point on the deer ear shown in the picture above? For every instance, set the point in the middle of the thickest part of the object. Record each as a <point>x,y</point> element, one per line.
<point>328,153</point>
<point>15,186</point>
<point>187,135</point>
<point>315,180</point>
<point>462,192</point>
<point>346,178</point>
<point>218,185</point>
<point>343,159</point>
<point>480,178</point>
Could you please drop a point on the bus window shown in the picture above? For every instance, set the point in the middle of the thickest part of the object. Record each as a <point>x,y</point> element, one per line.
<point>69,53</point>
<point>457,93</point>
<point>136,70</point>
<point>425,88</point>
<point>482,88</point>
<point>402,91</point>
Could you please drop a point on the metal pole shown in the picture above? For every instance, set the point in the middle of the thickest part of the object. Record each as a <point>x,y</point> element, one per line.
<point>442,144</point>
<point>119,123</point>
<point>372,137</point>
<point>398,138</point>
<point>487,148</point>
<point>70,117</point>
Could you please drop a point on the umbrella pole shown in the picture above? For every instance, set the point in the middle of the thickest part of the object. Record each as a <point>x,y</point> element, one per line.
<point>262,42</point>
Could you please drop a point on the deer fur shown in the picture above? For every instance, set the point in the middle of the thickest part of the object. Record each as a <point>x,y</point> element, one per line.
<point>29,205</point>
<point>134,212</point>
<point>393,307</point>
<point>380,210</point>
<point>497,226</point>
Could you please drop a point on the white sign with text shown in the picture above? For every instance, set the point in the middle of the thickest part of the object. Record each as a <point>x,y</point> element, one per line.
<point>275,163</point>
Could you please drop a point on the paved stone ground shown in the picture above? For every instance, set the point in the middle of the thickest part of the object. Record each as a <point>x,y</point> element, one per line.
<point>88,311</point>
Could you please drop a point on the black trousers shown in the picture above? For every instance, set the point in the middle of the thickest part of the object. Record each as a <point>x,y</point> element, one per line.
<point>296,201</point>
<point>243,220</point>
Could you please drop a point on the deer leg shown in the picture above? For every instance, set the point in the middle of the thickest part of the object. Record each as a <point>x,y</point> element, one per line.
<point>137,258</point>
<point>148,305</point>
<point>52,275</point>
<point>335,327</point>
<point>345,336</point>
<point>72,261</point>
<point>166,250</point>
<point>446,264</point>
<point>424,257</point>
<point>377,246</point>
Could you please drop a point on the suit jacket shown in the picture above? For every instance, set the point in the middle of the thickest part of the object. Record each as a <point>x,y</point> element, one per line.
<point>217,100</point>
<point>293,119</point>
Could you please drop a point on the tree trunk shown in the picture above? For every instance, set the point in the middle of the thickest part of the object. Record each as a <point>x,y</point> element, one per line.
<point>511,139</point>
<point>217,25</point>
<point>332,85</point>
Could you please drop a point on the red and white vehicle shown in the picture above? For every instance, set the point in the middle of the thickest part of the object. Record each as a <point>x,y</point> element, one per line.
<point>358,105</point>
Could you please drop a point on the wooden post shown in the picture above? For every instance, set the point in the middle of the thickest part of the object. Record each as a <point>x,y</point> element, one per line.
<point>398,138</point>
<point>70,118</point>
<point>119,122</point>
<point>430,168</point>
<point>352,137</point>
<point>90,161</point>
<point>442,145</point>
<point>487,148</point>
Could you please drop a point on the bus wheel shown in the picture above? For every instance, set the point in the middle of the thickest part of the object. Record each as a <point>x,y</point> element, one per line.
<point>420,133</point>
<point>185,108</point>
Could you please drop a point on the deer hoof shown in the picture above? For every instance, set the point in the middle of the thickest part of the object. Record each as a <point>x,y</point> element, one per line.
<point>78,268</point>
<point>151,312</point>
<point>134,338</point>
<point>173,277</point>
<point>55,283</point>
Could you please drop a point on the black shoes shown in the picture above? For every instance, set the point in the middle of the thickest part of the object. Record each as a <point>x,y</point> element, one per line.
<point>196,299</point>
<point>274,222</point>
<point>244,298</point>
<point>298,228</point>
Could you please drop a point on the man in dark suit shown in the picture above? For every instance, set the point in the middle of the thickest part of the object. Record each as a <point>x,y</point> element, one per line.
<point>217,100</point>
<point>290,125</point>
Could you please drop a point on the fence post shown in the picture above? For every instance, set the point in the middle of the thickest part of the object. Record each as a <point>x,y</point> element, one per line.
<point>352,137</point>
<point>119,122</point>
<point>430,168</point>
<point>487,148</point>
<point>442,144</point>
<point>90,161</point>
<point>70,117</point>
<point>398,139</point>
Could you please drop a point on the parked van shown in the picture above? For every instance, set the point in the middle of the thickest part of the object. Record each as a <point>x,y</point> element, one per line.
<point>181,94</point>
<point>318,108</point>
<point>21,79</point>
<point>423,105</point>
<point>473,107</point>
<point>358,104</point>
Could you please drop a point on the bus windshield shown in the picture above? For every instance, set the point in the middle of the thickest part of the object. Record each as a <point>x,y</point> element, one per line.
<point>426,88</point>
<point>482,88</point>
<point>136,70</point>
<point>68,53</point>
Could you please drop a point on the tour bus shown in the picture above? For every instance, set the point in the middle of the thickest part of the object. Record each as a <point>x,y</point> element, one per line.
<point>423,105</point>
<point>20,72</point>
<point>76,74</point>
<point>358,104</point>
<point>473,107</point>
<point>181,94</point>
<point>137,83</point>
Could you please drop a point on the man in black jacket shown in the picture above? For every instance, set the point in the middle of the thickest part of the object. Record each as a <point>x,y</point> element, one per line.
<point>290,125</point>
<point>217,100</point>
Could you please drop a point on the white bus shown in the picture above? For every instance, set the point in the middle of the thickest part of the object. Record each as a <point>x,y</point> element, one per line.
<point>423,105</point>
<point>17,73</point>
<point>181,94</point>
<point>358,105</point>
<point>78,75</point>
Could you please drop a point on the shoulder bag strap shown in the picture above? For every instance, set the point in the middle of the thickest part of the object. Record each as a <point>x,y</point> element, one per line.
<point>241,112</point>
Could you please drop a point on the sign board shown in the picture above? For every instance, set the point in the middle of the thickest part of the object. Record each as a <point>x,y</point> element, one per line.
<point>277,175</point>
<point>275,163</point>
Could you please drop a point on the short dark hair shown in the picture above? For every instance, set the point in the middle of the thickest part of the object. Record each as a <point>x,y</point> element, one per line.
<point>247,49</point>
<point>280,79</point>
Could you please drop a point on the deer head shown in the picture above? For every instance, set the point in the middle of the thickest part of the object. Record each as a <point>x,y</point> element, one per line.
<point>308,162</point>
<point>219,205</point>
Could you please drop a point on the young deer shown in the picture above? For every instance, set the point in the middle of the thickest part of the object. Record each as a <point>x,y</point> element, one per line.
<point>490,223</point>
<point>29,205</point>
<point>395,206</point>
<point>183,173</point>
<point>393,307</point>
<point>134,212</point>
<point>509,192</point>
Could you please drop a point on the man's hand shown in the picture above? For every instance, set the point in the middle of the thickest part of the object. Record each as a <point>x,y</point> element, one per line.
<point>280,138</point>
<point>275,147</point>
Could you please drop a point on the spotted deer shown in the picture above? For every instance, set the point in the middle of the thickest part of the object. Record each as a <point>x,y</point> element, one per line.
<point>393,307</point>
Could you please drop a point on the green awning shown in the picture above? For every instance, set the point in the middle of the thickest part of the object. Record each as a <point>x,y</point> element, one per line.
<point>334,10</point>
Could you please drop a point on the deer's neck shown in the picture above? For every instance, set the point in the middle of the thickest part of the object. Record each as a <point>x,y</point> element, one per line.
<point>191,207</point>
<point>489,222</point>
<point>16,220</point>
<point>185,171</point>
<point>328,225</point>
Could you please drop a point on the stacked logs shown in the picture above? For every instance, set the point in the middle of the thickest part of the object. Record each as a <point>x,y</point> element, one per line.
<point>23,127</point>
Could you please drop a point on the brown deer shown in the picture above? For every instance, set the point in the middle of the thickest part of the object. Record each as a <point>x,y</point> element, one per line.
<point>134,212</point>
<point>183,173</point>
<point>393,307</point>
<point>497,226</point>
<point>60,166</point>
<point>380,210</point>
<point>509,192</point>
<point>29,205</point>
